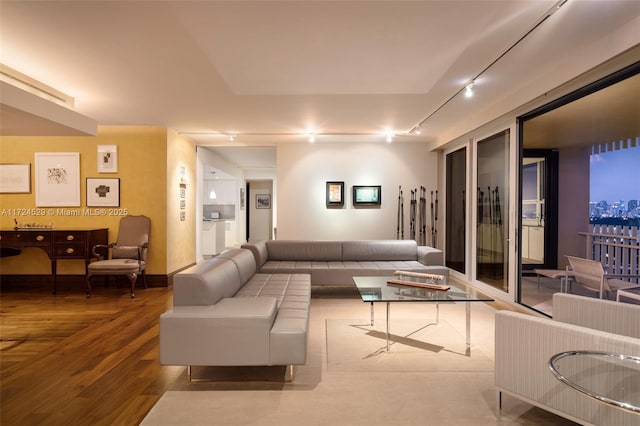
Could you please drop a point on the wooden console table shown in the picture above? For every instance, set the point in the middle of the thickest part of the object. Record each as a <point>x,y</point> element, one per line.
<point>57,243</point>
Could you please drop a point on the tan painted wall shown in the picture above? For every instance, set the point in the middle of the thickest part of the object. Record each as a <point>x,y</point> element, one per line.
<point>142,168</point>
<point>181,174</point>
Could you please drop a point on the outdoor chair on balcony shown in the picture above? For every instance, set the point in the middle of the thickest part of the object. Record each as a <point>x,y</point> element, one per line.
<point>591,275</point>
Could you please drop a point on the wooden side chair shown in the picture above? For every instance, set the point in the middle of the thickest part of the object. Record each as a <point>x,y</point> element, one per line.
<point>128,255</point>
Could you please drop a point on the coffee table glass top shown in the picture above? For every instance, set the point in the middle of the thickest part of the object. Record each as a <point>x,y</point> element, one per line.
<point>610,378</point>
<point>376,289</point>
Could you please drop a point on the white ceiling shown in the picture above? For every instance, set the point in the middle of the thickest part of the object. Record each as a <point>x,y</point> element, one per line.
<point>267,71</point>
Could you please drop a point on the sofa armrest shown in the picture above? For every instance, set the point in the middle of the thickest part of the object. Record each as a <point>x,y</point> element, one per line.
<point>604,315</point>
<point>430,256</point>
<point>235,331</point>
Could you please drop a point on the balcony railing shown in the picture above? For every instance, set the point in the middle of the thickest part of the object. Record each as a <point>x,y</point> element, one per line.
<point>616,247</point>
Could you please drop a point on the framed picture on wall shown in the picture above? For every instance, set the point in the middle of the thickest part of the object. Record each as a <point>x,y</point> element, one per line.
<point>335,194</point>
<point>107,158</point>
<point>57,179</point>
<point>370,195</point>
<point>263,201</point>
<point>103,192</point>
<point>15,178</point>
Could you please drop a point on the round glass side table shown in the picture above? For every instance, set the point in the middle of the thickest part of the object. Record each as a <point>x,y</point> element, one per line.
<point>613,379</point>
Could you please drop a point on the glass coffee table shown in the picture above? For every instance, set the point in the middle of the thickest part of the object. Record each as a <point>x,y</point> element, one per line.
<point>613,379</point>
<point>377,289</point>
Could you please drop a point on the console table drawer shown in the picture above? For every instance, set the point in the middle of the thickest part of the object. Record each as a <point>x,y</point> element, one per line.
<point>29,238</point>
<point>69,250</point>
<point>69,237</point>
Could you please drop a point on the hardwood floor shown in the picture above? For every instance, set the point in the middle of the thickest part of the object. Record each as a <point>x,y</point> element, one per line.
<point>68,360</point>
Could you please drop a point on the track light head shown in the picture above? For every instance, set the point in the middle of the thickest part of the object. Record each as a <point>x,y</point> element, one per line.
<point>468,91</point>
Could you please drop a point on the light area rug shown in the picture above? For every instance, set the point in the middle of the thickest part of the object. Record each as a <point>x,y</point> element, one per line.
<point>415,346</point>
<point>356,392</point>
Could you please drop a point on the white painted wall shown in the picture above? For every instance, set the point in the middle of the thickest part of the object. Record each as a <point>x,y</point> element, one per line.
<point>303,171</point>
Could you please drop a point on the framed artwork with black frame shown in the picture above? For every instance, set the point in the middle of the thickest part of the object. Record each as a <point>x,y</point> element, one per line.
<point>367,195</point>
<point>335,194</point>
<point>103,192</point>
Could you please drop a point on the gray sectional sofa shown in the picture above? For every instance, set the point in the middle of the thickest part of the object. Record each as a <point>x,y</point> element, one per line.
<point>334,263</point>
<point>226,314</point>
<point>250,306</point>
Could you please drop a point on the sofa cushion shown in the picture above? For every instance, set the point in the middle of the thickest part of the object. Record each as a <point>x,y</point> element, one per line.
<point>244,260</point>
<point>304,250</point>
<point>206,283</point>
<point>281,286</point>
<point>598,314</point>
<point>379,250</point>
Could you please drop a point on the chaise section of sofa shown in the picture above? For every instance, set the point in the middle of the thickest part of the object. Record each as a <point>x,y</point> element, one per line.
<point>335,263</point>
<point>524,345</point>
<point>226,314</point>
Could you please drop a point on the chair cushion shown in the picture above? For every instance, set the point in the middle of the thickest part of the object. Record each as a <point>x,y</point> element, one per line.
<point>115,267</point>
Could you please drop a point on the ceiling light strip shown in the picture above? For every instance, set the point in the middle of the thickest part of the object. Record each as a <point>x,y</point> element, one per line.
<point>23,81</point>
<point>535,26</point>
<point>302,134</point>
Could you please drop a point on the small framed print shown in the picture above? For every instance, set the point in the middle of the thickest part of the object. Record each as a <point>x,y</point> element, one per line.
<point>107,159</point>
<point>103,192</point>
<point>335,194</point>
<point>15,178</point>
<point>367,195</point>
<point>263,201</point>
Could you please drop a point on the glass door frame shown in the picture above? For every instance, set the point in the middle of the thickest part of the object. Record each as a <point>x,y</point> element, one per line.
<point>510,209</point>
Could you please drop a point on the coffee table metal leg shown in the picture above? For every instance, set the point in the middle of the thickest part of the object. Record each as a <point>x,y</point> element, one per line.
<point>371,313</point>
<point>437,313</point>
<point>388,311</point>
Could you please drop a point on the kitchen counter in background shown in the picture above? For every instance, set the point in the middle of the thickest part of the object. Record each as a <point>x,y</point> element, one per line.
<point>217,235</point>
<point>213,237</point>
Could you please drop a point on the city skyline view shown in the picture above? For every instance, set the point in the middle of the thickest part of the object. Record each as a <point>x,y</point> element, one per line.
<point>615,175</point>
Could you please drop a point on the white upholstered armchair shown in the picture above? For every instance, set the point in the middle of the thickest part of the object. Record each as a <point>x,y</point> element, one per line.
<point>524,345</point>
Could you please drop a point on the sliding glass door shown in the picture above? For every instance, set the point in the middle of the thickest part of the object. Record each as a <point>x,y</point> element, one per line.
<point>456,223</point>
<point>492,220</point>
